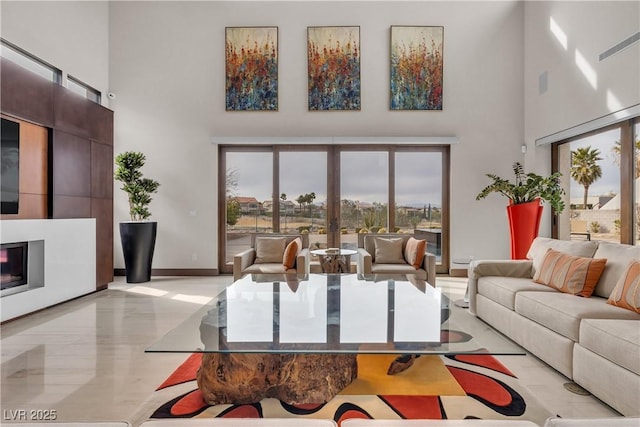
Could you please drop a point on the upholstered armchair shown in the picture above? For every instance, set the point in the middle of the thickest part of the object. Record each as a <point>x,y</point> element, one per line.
<point>273,253</point>
<point>395,254</point>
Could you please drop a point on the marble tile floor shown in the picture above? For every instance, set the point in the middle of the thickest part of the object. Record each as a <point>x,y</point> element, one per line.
<point>85,359</point>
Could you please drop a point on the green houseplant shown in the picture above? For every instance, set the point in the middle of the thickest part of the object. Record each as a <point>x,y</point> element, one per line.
<point>138,236</point>
<point>525,194</point>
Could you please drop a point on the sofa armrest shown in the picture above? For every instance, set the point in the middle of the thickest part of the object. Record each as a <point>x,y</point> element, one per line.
<point>363,265</point>
<point>429,265</point>
<point>241,261</point>
<point>506,268</point>
<point>302,262</point>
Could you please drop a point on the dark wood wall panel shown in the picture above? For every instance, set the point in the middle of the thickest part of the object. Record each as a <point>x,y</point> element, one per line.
<point>26,95</point>
<point>101,170</point>
<point>71,165</point>
<point>102,211</point>
<point>70,112</point>
<point>80,158</point>
<point>71,207</point>
<point>100,124</point>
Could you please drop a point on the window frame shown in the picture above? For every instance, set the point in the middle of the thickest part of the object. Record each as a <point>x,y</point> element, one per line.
<point>627,169</point>
<point>333,186</point>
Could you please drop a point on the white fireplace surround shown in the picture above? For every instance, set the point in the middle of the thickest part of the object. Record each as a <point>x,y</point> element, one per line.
<point>64,269</point>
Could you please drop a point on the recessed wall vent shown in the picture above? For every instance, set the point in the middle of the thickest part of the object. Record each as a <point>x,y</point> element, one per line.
<point>622,45</point>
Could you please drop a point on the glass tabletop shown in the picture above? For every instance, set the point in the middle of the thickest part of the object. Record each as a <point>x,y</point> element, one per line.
<point>333,313</point>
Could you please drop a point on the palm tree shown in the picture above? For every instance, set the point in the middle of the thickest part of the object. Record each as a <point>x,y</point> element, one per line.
<point>617,151</point>
<point>585,169</point>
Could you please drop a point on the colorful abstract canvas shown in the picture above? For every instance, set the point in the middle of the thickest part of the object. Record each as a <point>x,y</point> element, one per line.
<point>334,68</point>
<point>416,67</point>
<point>251,60</point>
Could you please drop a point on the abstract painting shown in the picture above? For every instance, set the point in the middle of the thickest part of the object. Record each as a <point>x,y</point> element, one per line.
<point>333,55</point>
<point>416,67</point>
<point>251,68</point>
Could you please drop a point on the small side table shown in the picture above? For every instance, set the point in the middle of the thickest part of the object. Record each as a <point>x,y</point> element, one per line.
<point>335,262</point>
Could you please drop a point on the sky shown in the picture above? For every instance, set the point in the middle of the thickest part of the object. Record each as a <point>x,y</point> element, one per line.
<point>364,176</point>
<point>610,180</point>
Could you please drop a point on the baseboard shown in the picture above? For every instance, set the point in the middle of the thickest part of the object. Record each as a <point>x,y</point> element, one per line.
<point>175,272</point>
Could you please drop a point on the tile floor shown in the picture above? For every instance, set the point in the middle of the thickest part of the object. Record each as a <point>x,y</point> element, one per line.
<point>85,358</point>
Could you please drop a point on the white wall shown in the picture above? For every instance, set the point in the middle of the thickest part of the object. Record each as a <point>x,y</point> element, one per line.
<point>167,69</point>
<point>589,28</point>
<point>72,36</point>
<point>165,62</point>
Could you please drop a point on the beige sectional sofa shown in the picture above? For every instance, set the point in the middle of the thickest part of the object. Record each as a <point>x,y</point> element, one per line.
<point>595,344</point>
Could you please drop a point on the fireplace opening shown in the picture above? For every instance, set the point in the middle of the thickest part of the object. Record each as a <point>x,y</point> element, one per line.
<point>13,265</point>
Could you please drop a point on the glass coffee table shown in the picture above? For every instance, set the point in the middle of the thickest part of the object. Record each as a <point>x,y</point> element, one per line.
<point>296,338</point>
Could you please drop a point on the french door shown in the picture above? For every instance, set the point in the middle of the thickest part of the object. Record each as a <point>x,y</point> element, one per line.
<point>332,192</point>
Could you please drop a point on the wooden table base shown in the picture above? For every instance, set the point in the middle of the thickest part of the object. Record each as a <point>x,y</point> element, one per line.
<point>243,378</point>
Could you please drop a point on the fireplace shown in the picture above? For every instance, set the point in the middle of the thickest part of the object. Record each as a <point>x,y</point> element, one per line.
<point>13,265</point>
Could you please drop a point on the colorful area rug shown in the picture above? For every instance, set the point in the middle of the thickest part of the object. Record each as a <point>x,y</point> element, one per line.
<point>435,387</point>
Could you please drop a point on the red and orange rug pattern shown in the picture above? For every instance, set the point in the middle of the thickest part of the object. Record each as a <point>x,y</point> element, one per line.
<point>458,387</point>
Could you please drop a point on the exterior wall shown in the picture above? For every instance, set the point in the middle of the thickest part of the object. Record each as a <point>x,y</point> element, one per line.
<point>167,70</point>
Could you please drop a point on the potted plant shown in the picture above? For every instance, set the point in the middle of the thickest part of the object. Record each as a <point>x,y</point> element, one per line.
<point>138,236</point>
<point>525,209</point>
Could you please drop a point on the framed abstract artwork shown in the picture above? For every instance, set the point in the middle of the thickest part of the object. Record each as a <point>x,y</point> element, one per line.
<point>416,67</point>
<point>333,56</point>
<point>251,68</point>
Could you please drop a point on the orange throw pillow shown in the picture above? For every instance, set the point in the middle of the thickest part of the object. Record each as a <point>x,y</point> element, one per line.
<point>626,294</point>
<point>414,252</point>
<point>291,253</point>
<point>570,274</point>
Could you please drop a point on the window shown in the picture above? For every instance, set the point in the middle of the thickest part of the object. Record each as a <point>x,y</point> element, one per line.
<point>600,176</point>
<point>636,182</point>
<point>30,62</point>
<point>333,192</point>
<point>83,90</point>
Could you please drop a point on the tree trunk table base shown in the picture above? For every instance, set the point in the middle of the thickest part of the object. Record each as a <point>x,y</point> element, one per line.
<point>242,378</point>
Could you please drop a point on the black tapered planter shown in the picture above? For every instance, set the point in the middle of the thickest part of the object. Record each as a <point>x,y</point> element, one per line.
<point>138,242</point>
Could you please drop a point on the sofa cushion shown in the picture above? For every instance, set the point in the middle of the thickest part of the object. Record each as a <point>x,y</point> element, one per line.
<point>570,274</point>
<point>615,340</point>
<point>414,251</point>
<point>618,258</point>
<point>626,294</point>
<point>540,245</point>
<point>389,251</point>
<point>266,268</point>
<point>562,312</point>
<point>291,252</point>
<point>270,249</point>
<point>502,289</point>
<point>398,269</point>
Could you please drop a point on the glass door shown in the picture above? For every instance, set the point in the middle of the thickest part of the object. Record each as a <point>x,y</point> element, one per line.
<point>303,195</point>
<point>364,195</point>
<point>333,193</point>
<point>248,178</point>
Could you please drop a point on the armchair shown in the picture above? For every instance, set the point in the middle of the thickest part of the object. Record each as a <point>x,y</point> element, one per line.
<point>272,253</point>
<point>383,254</point>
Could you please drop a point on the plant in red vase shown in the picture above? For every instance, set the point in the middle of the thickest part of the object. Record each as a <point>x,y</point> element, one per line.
<point>525,209</point>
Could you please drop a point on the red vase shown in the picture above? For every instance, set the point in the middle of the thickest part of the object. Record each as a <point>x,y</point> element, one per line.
<point>524,222</point>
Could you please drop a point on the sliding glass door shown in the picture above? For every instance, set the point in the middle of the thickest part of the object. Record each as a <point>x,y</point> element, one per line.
<point>333,193</point>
